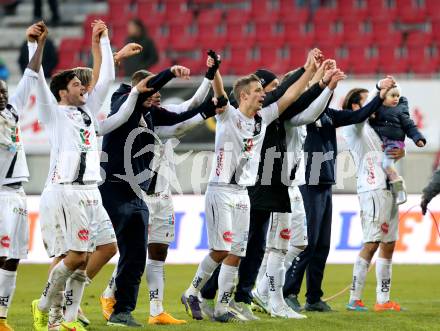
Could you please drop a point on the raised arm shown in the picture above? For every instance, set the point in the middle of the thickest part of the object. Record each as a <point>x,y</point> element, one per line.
<point>295,90</point>
<point>106,76</point>
<point>125,111</point>
<point>430,191</point>
<point>98,28</point>
<point>45,99</point>
<point>30,76</point>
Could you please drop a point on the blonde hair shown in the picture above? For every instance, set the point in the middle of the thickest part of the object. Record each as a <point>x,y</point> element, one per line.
<point>84,74</point>
<point>395,90</point>
<point>242,84</point>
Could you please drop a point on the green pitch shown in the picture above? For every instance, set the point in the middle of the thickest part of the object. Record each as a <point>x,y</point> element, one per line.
<point>415,287</point>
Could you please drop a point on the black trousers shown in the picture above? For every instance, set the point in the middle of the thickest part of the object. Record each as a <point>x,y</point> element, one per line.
<point>318,206</point>
<point>249,265</point>
<point>129,215</point>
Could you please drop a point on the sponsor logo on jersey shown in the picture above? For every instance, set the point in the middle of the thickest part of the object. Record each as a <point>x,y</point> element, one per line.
<point>285,234</point>
<point>15,134</point>
<point>5,241</point>
<point>384,227</point>
<point>85,140</point>
<point>20,211</point>
<point>371,177</point>
<point>83,234</point>
<point>241,206</point>
<point>88,202</point>
<point>227,236</point>
<point>239,125</point>
<point>220,159</point>
<point>247,145</point>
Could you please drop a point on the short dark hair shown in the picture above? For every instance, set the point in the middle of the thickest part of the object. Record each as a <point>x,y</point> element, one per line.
<point>242,84</point>
<point>60,81</point>
<point>139,75</point>
<point>353,97</point>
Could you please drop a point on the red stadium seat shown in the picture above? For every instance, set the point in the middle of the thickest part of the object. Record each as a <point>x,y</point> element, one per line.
<point>210,16</point>
<point>237,34</point>
<point>212,36</point>
<point>349,9</point>
<point>237,16</point>
<point>419,39</point>
<point>294,15</point>
<point>297,35</point>
<point>324,14</point>
<point>272,34</point>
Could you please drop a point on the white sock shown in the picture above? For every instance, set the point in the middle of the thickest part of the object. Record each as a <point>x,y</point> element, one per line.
<point>109,291</point>
<point>383,278</point>
<point>262,271</point>
<point>7,289</point>
<point>204,272</point>
<point>292,254</point>
<point>360,270</point>
<point>155,279</point>
<point>263,285</point>
<point>73,294</point>
<point>275,277</point>
<point>57,281</point>
<point>226,286</point>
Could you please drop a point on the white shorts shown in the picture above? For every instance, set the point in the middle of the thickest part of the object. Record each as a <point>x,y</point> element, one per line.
<point>14,227</point>
<point>298,218</point>
<point>161,219</point>
<point>379,216</point>
<point>73,218</point>
<point>289,228</point>
<point>227,210</point>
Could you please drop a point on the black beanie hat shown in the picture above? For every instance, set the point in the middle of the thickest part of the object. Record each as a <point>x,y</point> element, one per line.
<point>266,76</point>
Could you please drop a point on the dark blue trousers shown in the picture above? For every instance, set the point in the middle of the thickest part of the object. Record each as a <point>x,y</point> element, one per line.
<point>318,206</point>
<point>129,215</point>
<point>249,265</point>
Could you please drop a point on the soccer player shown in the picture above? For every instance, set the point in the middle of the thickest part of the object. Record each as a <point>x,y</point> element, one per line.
<point>283,231</point>
<point>320,146</point>
<point>160,205</point>
<point>239,136</point>
<point>430,191</point>
<point>268,194</point>
<point>122,195</point>
<point>14,230</point>
<point>71,207</point>
<point>379,212</point>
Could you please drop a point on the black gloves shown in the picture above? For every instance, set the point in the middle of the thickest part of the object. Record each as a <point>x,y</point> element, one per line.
<point>210,73</point>
<point>209,107</point>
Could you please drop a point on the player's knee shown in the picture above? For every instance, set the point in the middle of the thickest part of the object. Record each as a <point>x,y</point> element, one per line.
<point>218,256</point>
<point>369,249</point>
<point>157,251</point>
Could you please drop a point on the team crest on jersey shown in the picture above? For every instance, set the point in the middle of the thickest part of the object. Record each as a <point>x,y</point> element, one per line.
<point>20,211</point>
<point>15,134</point>
<point>5,241</point>
<point>83,234</point>
<point>241,206</point>
<point>239,125</point>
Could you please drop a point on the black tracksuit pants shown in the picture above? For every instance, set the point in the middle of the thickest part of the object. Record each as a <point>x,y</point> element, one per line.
<point>318,206</point>
<point>129,215</point>
<point>249,265</point>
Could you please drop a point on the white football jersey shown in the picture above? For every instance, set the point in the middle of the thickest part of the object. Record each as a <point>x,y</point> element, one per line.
<point>74,153</point>
<point>366,149</point>
<point>163,160</point>
<point>13,167</point>
<point>238,142</point>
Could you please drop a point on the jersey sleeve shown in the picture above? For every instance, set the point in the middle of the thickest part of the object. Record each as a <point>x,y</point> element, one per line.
<point>270,113</point>
<point>46,101</point>
<point>24,88</point>
<point>106,77</point>
<point>226,114</point>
